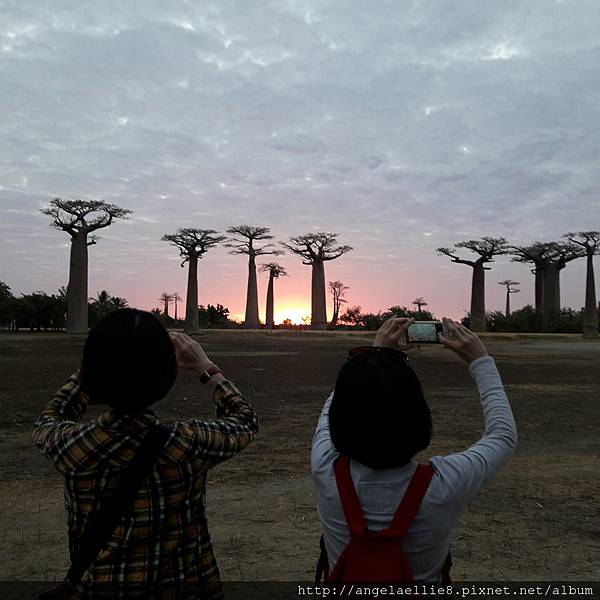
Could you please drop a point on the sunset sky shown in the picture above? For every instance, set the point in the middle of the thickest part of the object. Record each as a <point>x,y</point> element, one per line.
<point>403,126</point>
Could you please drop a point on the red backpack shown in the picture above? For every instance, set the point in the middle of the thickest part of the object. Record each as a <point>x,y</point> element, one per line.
<point>375,556</point>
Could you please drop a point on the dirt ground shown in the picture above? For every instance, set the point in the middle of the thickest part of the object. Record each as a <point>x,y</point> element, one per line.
<point>539,520</point>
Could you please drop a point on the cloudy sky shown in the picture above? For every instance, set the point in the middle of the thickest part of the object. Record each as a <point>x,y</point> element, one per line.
<point>403,126</point>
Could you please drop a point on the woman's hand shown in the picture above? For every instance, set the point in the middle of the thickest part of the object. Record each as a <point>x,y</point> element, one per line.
<point>190,354</point>
<point>392,334</point>
<point>462,341</point>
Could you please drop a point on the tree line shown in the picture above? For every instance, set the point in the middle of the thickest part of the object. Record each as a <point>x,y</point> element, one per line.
<point>81,219</point>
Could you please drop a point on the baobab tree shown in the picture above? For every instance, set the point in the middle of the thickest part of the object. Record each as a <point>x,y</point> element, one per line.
<point>80,219</point>
<point>275,271</point>
<point>315,249</point>
<point>549,259</point>
<point>419,302</point>
<point>486,248</point>
<point>338,291</point>
<point>508,283</point>
<point>176,298</point>
<point>165,298</point>
<point>589,242</point>
<point>192,245</point>
<point>244,241</point>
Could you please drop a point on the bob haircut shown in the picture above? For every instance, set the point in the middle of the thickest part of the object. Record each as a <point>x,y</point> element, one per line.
<point>378,414</point>
<point>128,361</point>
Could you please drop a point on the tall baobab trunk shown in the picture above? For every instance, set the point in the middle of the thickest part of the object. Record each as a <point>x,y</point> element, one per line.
<point>590,313</point>
<point>77,289</point>
<point>318,298</point>
<point>539,288</point>
<point>251,320</point>
<point>550,296</point>
<point>508,303</point>
<point>477,316</point>
<point>270,312</point>
<point>192,323</point>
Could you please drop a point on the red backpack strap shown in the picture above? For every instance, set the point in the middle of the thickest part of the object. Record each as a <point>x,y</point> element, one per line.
<point>350,502</point>
<point>412,500</point>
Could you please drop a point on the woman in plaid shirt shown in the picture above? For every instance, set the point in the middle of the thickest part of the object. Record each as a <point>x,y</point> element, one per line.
<point>163,547</point>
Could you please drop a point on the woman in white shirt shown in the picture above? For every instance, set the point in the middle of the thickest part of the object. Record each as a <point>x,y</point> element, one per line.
<point>378,417</point>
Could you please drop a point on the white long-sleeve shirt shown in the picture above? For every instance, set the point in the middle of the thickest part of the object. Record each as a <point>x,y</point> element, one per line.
<point>457,480</point>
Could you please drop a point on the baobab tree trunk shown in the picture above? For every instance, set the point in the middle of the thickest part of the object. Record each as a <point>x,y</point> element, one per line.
<point>269,315</point>
<point>166,310</point>
<point>551,293</point>
<point>507,303</point>
<point>590,313</point>
<point>192,324</point>
<point>318,299</point>
<point>539,288</point>
<point>334,319</point>
<point>477,316</point>
<point>251,319</point>
<point>77,289</point>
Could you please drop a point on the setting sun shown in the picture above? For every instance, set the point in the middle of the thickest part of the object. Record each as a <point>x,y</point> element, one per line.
<point>293,312</point>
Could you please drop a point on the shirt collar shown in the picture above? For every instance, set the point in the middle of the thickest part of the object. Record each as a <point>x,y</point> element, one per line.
<point>114,420</point>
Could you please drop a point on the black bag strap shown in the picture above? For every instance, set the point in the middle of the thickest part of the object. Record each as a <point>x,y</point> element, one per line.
<point>113,508</point>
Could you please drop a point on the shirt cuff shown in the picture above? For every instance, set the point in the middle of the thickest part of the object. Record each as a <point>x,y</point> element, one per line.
<point>224,391</point>
<point>482,362</point>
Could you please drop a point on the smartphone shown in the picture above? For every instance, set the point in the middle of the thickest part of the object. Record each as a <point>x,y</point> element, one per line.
<point>425,332</point>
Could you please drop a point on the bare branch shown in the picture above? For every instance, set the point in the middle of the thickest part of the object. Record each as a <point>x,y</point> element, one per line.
<point>193,242</point>
<point>72,216</point>
<point>588,240</point>
<point>274,269</point>
<point>316,247</point>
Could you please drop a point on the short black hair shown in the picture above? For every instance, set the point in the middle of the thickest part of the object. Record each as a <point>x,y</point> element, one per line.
<point>378,414</point>
<point>128,361</point>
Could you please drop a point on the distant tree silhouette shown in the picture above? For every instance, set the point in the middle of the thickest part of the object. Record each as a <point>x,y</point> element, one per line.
<point>118,302</point>
<point>101,303</point>
<point>419,302</point>
<point>80,218</point>
<point>192,245</point>
<point>165,298</point>
<point>176,298</point>
<point>589,242</point>
<point>316,249</point>
<point>338,290</point>
<point>549,259</point>
<point>244,241</point>
<point>275,271</point>
<point>508,283</point>
<point>486,248</point>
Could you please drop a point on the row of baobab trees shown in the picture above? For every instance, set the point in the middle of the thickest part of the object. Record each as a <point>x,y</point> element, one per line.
<point>81,218</point>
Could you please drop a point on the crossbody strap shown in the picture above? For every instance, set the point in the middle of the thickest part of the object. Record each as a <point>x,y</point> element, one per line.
<point>113,508</point>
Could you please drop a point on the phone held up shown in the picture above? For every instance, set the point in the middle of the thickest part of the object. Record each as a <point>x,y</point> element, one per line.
<point>425,332</point>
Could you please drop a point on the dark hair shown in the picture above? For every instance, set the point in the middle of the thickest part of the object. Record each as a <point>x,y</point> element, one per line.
<point>378,414</point>
<point>128,361</point>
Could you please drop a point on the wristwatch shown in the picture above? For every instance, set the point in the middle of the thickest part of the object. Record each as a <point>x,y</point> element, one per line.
<point>206,375</point>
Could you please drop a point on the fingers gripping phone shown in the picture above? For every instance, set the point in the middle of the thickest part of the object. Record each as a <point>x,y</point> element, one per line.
<point>425,332</point>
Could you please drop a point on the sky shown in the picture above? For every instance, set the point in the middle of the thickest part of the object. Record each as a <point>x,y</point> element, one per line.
<point>402,126</point>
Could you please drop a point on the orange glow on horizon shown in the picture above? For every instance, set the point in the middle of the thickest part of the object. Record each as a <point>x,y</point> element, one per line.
<point>294,312</point>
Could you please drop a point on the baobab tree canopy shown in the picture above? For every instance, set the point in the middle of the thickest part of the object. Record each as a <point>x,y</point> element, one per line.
<point>243,242</point>
<point>549,259</point>
<point>315,249</point>
<point>77,216</point>
<point>80,218</point>
<point>193,244</point>
<point>486,247</point>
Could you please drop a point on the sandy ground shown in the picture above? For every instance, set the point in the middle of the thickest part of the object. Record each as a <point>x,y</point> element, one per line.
<point>538,520</point>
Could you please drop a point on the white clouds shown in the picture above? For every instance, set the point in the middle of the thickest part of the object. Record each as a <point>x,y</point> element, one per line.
<point>306,112</point>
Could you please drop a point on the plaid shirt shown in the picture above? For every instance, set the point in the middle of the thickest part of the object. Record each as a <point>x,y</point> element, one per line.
<point>165,538</point>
